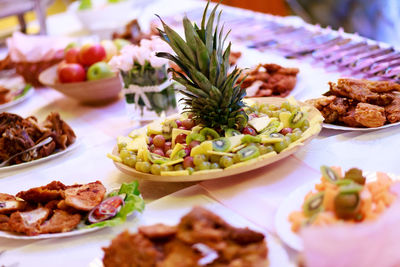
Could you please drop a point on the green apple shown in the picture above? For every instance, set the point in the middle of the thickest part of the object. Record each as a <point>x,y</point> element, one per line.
<point>99,70</point>
<point>110,47</point>
<point>120,43</point>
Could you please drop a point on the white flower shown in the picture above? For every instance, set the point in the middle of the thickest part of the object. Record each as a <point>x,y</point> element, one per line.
<point>120,63</point>
<point>157,62</point>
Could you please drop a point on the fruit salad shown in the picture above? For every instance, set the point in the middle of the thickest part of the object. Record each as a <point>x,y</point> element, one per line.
<point>181,146</point>
<point>344,198</point>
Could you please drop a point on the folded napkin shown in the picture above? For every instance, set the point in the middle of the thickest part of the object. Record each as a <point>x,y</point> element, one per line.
<point>256,195</point>
<point>35,48</point>
<point>368,244</point>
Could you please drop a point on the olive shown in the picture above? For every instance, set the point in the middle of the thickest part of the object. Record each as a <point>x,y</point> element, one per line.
<point>347,205</point>
<point>355,175</point>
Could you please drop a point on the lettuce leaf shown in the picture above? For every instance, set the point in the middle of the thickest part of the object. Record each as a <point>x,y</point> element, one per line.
<point>133,202</point>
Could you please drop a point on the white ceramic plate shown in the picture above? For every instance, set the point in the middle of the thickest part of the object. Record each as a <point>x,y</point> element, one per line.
<point>11,235</point>
<point>294,203</point>
<point>17,101</point>
<point>30,163</point>
<point>346,128</point>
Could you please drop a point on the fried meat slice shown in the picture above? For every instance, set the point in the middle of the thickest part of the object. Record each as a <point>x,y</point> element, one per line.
<point>62,133</point>
<point>370,115</point>
<point>4,226</point>
<point>60,222</point>
<point>9,203</point>
<point>84,197</point>
<point>202,239</point>
<point>131,250</point>
<point>28,222</point>
<point>349,119</point>
<point>393,110</point>
<point>372,92</point>
<point>332,108</point>
<point>43,194</point>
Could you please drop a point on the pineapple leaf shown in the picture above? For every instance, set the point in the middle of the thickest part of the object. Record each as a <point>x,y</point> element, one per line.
<point>189,34</point>
<point>209,30</point>
<point>202,55</point>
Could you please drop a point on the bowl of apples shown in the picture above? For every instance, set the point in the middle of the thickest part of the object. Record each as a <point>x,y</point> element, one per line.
<point>84,74</point>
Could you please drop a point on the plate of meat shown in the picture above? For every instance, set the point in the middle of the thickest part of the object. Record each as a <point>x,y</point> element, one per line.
<point>13,90</point>
<point>19,134</point>
<point>359,105</point>
<point>201,238</point>
<point>57,210</point>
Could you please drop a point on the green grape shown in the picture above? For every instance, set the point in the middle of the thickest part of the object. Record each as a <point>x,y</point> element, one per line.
<point>130,161</point>
<point>214,165</point>
<point>275,114</point>
<point>178,167</point>
<point>124,154</point>
<point>304,128</point>
<point>121,146</point>
<point>278,147</point>
<point>287,140</point>
<point>191,170</point>
<point>214,158</point>
<point>205,165</point>
<point>297,130</point>
<point>138,166</point>
<point>285,105</point>
<point>236,158</point>
<point>273,107</point>
<point>265,149</point>
<point>306,123</point>
<point>296,135</point>
<point>155,169</point>
<point>283,110</point>
<point>198,159</point>
<point>146,166</point>
<point>226,161</point>
<point>165,168</point>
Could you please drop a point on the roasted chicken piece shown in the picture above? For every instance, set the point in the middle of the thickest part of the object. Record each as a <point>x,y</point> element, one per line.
<point>201,239</point>
<point>84,197</point>
<point>28,222</point>
<point>269,80</point>
<point>372,92</point>
<point>60,222</point>
<point>370,115</point>
<point>393,110</point>
<point>4,226</point>
<point>43,194</point>
<point>9,203</point>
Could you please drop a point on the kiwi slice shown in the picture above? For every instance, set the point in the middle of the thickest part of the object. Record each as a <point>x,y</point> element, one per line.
<point>347,205</point>
<point>209,134</point>
<point>249,152</point>
<point>195,137</point>
<point>296,119</point>
<point>329,174</point>
<point>250,139</point>
<point>231,132</point>
<point>313,204</point>
<point>272,128</point>
<point>155,158</point>
<point>355,175</point>
<point>221,144</point>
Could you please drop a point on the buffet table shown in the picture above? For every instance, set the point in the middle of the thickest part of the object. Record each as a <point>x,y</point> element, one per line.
<point>249,199</point>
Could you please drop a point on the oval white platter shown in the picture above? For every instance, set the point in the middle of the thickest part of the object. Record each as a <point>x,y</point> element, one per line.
<point>10,235</point>
<point>346,128</point>
<point>30,163</point>
<point>17,101</point>
<point>294,202</point>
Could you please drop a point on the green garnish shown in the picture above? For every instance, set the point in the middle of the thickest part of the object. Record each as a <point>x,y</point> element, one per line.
<point>24,91</point>
<point>133,202</point>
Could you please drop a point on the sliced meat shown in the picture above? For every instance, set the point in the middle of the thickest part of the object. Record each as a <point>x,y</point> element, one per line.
<point>4,226</point>
<point>60,222</point>
<point>43,194</point>
<point>129,250</point>
<point>28,222</point>
<point>158,231</point>
<point>85,197</point>
<point>370,115</point>
<point>9,204</point>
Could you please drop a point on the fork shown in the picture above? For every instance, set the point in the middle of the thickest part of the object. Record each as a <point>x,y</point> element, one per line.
<point>41,143</point>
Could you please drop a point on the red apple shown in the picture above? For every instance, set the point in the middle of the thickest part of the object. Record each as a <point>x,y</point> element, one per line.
<point>91,53</point>
<point>69,73</point>
<point>72,55</point>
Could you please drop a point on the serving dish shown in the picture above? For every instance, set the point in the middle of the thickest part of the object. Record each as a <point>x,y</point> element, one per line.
<point>315,119</point>
<point>89,92</point>
<point>294,202</point>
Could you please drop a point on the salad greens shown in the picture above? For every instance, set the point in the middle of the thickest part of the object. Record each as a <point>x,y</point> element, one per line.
<point>132,202</point>
<point>24,91</point>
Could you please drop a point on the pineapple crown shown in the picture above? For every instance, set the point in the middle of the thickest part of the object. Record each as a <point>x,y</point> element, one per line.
<point>211,94</point>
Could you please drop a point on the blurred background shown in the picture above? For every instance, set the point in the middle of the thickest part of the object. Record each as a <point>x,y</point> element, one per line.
<point>376,19</point>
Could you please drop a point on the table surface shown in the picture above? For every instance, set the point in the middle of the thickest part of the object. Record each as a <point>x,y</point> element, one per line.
<point>243,196</point>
